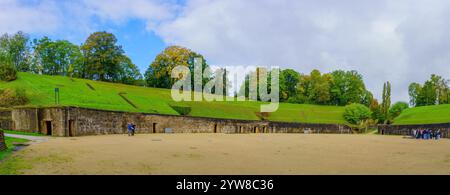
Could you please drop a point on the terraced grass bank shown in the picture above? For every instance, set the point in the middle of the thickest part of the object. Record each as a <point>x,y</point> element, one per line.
<point>118,97</point>
<point>424,115</point>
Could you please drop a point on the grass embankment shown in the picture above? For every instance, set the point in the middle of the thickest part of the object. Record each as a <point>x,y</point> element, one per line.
<point>117,97</point>
<point>22,133</point>
<point>9,143</point>
<point>424,115</point>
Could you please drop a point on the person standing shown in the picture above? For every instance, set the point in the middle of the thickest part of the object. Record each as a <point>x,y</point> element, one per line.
<point>130,129</point>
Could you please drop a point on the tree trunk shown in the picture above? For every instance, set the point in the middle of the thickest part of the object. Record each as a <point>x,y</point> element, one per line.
<point>2,141</point>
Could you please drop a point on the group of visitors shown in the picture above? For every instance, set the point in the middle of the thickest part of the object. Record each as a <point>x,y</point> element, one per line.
<point>427,134</point>
<point>131,129</point>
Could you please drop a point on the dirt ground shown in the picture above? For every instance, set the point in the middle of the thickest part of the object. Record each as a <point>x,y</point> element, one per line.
<point>235,154</point>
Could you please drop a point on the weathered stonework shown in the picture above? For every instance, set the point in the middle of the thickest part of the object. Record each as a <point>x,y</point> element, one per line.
<point>408,129</point>
<point>73,121</point>
<point>2,141</point>
<point>5,119</point>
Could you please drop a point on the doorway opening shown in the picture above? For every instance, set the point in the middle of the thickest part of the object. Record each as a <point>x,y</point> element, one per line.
<point>48,126</point>
<point>215,128</point>
<point>71,128</point>
<point>154,127</point>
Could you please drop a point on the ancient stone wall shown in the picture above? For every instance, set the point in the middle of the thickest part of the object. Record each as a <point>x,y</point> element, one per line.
<point>408,129</point>
<point>53,121</point>
<point>5,119</point>
<point>25,119</point>
<point>72,121</point>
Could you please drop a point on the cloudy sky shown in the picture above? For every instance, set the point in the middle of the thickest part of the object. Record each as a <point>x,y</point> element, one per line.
<point>401,41</point>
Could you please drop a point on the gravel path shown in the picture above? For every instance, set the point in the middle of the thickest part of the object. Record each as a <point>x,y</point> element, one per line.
<point>33,139</point>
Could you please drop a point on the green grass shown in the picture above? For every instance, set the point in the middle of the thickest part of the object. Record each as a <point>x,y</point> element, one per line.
<point>424,115</point>
<point>22,133</point>
<point>105,96</point>
<point>9,143</point>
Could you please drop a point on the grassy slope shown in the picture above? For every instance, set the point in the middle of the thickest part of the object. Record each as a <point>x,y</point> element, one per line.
<point>75,92</point>
<point>22,133</point>
<point>9,143</point>
<point>424,115</point>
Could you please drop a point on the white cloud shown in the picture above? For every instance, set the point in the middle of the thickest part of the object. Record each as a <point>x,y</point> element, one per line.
<point>16,15</point>
<point>399,41</point>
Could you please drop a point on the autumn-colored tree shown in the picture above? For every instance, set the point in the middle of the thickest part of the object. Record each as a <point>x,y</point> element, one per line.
<point>319,92</point>
<point>159,72</point>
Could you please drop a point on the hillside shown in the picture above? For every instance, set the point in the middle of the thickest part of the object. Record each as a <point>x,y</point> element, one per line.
<point>424,115</point>
<point>109,96</point>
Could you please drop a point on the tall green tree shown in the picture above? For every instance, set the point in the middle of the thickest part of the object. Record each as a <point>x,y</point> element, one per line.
<point>102,57</point>
<point>414,90</point>
<point>347,87</point>
<point>386,104</point>
<point>17,50</point>
<point>427,95</point>
<point>288,84</point>
<point>57,57</point>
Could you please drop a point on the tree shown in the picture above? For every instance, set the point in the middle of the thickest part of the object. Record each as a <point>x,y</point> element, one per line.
<point>357,113</point>
<point>102,57</point>
<point>225,84</point>
<point>433,92</point>
<point>16,47</point>
<point>128,72</point>
<point>57,58</point>
<point>288,83</point>
<point>386,104</point>
<point>320,88</point>
<point>159,72</point>
<point>427,95</point>
<point>414,91</point>
<point>7,70</point>
<point>347,87</point>
<point>375,108</point>
<point>397,109</point>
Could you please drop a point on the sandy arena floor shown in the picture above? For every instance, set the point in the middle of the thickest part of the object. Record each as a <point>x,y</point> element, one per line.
<point>236,154</point>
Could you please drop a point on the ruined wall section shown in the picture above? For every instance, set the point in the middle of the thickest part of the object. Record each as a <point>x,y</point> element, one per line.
<point>25,119</point>
<point>73,121</point>
<point>5,119</point>
<point>408,129</point>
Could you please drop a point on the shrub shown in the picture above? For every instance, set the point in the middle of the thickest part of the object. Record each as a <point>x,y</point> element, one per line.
<point>13,97</point>
<point>7,71</point>
<point>397,109</point>
<point>357,113</point>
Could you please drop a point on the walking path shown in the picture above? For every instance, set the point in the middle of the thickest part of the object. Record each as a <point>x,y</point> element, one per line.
<point>33,139</point>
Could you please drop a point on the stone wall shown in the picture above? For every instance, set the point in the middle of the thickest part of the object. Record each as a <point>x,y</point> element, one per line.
<point>25,119</point>
<point>408,129</point>
<point>72,121</point>
<point>2,141</point>
<point>5,119</point>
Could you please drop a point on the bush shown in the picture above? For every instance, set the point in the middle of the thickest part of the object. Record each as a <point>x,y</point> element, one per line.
<point>7,72</point>
<point>397,109</point>
<point>357,113</point>
<point>13,97</point>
